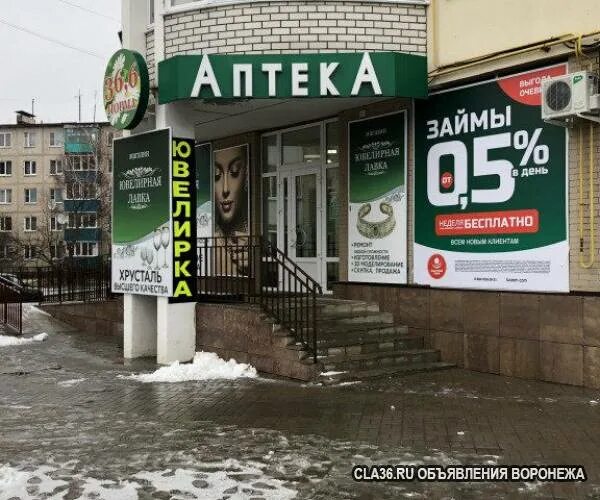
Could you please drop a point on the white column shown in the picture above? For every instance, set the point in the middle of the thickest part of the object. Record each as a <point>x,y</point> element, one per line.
<point>176,331</point>
<point>139,326</point>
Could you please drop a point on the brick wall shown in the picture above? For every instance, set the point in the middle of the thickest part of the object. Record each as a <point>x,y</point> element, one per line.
<point>281,26</point>
<point>581,278</point>
<point>150,58</point>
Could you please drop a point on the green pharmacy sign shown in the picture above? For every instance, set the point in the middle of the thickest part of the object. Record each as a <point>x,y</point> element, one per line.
<point>126,89</point>
<point>265,76</point>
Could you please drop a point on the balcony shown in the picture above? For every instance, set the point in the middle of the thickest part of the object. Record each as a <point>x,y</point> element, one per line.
<point>81,205</point>
<point>83,234</point>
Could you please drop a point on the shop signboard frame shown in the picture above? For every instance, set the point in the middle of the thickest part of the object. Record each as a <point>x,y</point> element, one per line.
<point>378,216</point>
<point>282,76</point>
<point>515,235</point>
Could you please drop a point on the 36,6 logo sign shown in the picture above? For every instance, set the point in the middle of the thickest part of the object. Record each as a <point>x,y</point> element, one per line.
<point>116,84</point>
<point>445,189</point>
<point>126,89</point>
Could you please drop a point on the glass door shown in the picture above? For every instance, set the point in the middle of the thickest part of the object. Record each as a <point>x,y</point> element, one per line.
<point>301,219</point>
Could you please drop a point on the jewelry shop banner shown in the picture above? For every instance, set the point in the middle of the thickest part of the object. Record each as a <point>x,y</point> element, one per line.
<point>377,199</point>
<point>154,230</point>
<point>491,188</point>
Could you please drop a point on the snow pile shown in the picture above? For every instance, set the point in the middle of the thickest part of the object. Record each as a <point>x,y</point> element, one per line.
<point>7,340</point>
<point>206,366</point>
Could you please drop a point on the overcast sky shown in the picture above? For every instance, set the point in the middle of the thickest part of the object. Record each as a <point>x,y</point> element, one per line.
<point>33,68</point>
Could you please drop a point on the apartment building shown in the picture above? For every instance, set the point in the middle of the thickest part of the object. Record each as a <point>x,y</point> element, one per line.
<point>54,190</point>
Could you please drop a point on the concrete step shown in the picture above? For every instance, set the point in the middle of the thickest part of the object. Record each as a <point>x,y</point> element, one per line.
<point>357,317</point>
<point>361,343</point>
<point>380,359</point>
<point>337,377</point>
<point>336,307</point>
<point>360,330</point>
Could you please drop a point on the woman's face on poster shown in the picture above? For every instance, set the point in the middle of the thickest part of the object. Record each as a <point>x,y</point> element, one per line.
<point>230,181</point>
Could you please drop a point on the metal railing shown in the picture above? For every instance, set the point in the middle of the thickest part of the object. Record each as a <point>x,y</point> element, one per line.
<point>11,301</point>
<point>250,269</point>
<point>67,282</point>
<point>12,316</point>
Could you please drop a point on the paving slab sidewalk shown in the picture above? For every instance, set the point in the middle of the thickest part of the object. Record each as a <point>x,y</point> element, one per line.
<point>71,427</point>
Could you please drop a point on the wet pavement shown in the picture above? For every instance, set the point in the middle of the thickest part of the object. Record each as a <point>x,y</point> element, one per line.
<point>71,428</point>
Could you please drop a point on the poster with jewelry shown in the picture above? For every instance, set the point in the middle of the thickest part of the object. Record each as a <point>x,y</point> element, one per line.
<point>377,199</point>
<point>153,193</point>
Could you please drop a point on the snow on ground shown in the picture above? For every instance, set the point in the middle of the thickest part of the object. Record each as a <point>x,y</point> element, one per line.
<point>17,483</point>
<point>206,366</point>
<point>8,340</point>
<point>70,383</point>
<point>227,479</point>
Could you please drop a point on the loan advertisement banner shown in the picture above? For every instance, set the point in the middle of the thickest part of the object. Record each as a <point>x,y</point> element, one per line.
<point>491,188</point>
<point>154,230</point>
<point>377,199</point>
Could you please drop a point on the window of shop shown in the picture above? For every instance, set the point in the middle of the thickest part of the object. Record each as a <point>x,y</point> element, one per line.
<point>300,197</point>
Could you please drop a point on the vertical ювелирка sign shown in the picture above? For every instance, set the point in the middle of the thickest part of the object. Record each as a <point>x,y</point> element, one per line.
<point>183,220</point>
<point>491,188</point>
<point>154,216</point>
<point>377,199</point>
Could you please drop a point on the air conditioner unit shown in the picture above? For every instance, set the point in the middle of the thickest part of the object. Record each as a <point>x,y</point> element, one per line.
<point>568,95</point>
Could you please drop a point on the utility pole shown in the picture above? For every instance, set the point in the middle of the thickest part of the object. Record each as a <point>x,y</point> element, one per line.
<point>78,97</point>
<point>95,98</point>
<point>33,106</point>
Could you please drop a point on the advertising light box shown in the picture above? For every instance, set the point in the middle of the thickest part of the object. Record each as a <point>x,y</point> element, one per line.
<point>491,188</point>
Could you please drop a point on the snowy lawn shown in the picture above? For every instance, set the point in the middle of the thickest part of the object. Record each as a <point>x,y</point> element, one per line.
<point>7,340</point>
<point>205,366</point>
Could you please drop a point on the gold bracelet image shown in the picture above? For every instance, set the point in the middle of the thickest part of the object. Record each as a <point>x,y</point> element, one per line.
<point>375,230</point>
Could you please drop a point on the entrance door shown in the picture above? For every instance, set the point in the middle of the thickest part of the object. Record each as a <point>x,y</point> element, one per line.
<point>300,217</point>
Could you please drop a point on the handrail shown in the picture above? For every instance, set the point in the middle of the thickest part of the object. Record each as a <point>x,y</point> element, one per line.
<point>251,269</point>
